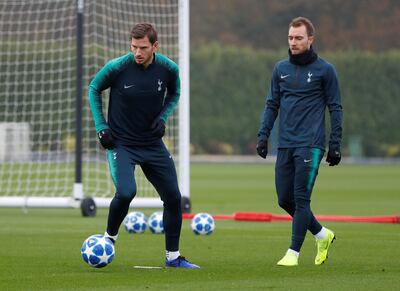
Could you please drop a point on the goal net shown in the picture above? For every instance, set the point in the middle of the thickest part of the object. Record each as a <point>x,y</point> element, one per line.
<point>38,51</point>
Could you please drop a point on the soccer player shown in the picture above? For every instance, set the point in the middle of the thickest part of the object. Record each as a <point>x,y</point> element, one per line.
<point>144,91</point>
<point>301,89</point>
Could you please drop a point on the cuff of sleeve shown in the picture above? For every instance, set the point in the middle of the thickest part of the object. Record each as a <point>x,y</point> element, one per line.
<point>262,137</point>
<point>334,146</point>
<point>100,128</point>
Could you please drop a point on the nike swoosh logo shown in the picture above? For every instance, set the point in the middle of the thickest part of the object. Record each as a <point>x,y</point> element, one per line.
<point>306,161</point>
<point>128,86</point>
<point>284,76</point>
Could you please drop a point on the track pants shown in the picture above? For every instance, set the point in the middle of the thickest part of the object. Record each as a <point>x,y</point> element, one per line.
<point>295,173</point>
<point>158,167</point>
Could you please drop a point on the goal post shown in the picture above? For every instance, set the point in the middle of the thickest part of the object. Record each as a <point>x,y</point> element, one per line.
<point>184,107</point>
<point>49,51</point>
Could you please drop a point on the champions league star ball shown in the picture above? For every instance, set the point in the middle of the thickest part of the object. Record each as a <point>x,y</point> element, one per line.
<point>156,223</point>
<point>97,251</point>
<point>203,223</point>
<point>135,222</point>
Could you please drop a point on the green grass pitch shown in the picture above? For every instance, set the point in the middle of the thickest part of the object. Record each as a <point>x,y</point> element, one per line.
<point>40,248</point>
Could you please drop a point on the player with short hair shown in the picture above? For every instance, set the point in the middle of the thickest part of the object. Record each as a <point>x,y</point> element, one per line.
<point>301,89</point>
<point>144,91</point>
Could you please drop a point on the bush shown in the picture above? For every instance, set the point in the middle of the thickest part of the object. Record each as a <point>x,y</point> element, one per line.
<point>229,85</point>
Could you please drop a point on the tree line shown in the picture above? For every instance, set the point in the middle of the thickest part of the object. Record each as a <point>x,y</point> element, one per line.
<point>340,25</point>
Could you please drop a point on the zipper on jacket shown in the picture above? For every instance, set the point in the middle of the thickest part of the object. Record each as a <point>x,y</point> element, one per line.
<point>296,77</point>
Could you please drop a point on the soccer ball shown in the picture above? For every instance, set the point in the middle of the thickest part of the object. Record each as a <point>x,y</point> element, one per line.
<point>203,223</point>
<point>135,222</point>
<point>156,222</point>
<point>97,251</point>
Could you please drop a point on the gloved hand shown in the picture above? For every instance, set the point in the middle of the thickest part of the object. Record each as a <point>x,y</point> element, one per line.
<point>333,157</point>
<point>262,148</point>
<point>158,127</point>
<point>106,139</point>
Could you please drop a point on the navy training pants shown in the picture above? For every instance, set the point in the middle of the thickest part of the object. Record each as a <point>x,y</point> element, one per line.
<point>159,168</point>
<point>295,172</point>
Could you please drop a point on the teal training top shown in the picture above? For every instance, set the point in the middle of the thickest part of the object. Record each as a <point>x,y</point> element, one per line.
<point>301,94</point>
<point>137,97</point>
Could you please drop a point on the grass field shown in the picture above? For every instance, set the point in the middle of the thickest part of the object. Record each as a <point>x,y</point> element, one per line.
<point>40,248</point>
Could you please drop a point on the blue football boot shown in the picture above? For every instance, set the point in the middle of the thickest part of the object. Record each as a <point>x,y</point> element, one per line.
<point>180,262</point>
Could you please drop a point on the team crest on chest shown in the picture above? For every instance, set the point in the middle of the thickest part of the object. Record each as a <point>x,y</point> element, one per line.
<point>309,77</point>
<point>159,82</point>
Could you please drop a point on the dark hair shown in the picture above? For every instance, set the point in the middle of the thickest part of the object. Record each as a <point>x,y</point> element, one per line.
<point>142,30</point>
<point>299,21</point>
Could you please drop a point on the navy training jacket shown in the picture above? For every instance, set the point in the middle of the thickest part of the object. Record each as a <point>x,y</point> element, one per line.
<point>301,95</point>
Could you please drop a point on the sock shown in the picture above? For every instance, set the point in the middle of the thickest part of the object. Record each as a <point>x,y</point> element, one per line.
<point>293,252</point>
<point>321,234</point>
<point>113,238</point>
<point>172,255</point>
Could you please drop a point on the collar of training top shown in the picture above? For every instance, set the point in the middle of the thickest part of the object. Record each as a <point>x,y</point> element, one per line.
<point>308,57</point>
<point>142,66</point>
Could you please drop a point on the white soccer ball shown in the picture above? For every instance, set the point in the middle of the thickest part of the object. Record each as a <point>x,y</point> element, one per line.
<point>203,223</point>
<point>135,222</point>
<point>97,251</point>
<point>156,223</point>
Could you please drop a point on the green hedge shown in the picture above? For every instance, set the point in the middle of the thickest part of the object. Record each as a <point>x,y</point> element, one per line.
<point>229,84</point>
<point>228,88</point>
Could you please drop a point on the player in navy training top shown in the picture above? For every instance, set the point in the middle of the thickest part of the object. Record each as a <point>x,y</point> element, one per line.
<point>144,91</point>
<point>301,89</point>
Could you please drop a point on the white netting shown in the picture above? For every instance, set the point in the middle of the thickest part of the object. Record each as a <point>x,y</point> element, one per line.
<point>38,90</point>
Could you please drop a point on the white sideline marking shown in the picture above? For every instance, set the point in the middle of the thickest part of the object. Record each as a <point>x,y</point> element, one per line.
<point>146,267</point>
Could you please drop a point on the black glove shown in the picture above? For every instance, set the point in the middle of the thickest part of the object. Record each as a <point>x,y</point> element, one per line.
<point>106,138</point>
<point>158,127</point>
<point>333,157</point>
<point>262,148</point>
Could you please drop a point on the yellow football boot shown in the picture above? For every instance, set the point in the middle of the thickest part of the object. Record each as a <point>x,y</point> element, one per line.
<point>323,246</point>
<point>289,260</point>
